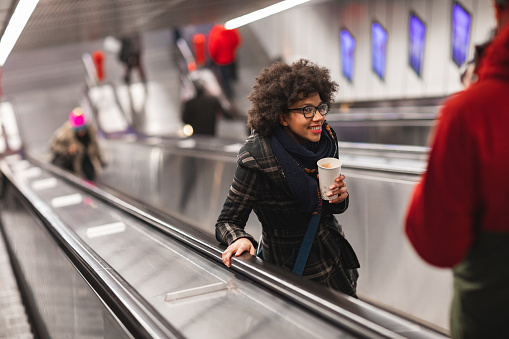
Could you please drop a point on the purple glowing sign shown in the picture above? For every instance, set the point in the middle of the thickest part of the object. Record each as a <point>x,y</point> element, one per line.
<point>378,49</point>
<point>347,54</point>
<point>416,37</point>
<point>460,34</point>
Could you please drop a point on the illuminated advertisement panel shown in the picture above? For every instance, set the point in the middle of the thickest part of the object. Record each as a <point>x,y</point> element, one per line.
<point>460,34</point>
<point>347,53</point>
<point>378,49</point>
<point>416,38</point>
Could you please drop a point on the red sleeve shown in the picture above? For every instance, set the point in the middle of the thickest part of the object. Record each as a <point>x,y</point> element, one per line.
<point>440,218</point>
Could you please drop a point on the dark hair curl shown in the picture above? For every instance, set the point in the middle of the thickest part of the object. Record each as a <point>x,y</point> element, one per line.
<point>280,85</point>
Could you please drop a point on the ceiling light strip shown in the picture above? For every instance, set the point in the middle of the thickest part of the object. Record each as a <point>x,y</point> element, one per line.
<point>16,25</point>
<point>262,13</point>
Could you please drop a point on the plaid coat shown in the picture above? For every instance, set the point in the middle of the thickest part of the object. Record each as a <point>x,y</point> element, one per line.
<point>259,184</point>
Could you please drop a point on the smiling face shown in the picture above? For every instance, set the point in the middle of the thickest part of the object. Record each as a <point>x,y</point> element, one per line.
<point>303,129</point>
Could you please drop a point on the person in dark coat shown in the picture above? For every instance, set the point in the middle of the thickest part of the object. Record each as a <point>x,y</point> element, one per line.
<point>276,177</point>
<point>202,111</point>
<point>457,217</point>
<point>130,56</point>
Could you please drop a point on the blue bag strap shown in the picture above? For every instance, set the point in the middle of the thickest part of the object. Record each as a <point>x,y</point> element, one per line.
<point>305,246</point>
<point>259,249</point>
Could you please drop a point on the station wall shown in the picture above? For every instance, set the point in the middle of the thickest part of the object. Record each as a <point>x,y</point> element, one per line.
<point>312,31</point>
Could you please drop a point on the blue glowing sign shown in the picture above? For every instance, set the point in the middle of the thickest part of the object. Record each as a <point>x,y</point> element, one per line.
<point>416,36</point>
<point>378,49</point>
<point>460,34</point>
<point>347,53</point>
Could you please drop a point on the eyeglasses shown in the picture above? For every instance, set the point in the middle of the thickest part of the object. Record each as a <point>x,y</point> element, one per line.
<point>310,111</point>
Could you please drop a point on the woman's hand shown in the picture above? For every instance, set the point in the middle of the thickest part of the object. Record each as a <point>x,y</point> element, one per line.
<point>237,247</point>
<point>339,188</point>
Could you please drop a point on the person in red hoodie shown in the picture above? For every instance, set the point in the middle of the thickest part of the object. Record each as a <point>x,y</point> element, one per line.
<point>222,46</point>
<point>458,215</point>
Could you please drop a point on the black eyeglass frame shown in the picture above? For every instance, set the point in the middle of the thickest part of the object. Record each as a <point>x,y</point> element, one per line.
<point>316,109</point>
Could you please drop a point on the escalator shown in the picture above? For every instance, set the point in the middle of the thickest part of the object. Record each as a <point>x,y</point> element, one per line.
<point>96,264</point>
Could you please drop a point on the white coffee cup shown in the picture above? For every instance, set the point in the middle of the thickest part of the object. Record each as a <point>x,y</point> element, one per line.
<point>328,170</point>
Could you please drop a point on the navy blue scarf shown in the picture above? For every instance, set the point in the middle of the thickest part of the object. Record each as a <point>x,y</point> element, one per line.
<point>298,163</point>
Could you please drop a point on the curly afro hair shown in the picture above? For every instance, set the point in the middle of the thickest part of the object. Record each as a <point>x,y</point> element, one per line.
<point>280,85</point>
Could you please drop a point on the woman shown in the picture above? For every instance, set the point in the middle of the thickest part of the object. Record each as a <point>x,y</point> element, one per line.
<point>277,178</point>
<point>75,148</point>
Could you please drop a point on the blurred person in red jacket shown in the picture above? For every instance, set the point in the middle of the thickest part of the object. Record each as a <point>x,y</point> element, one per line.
<point>222,46</point>
<point>458,215</point>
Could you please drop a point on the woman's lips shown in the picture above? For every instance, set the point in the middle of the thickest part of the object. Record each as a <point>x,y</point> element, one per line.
<point>316,129</point>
